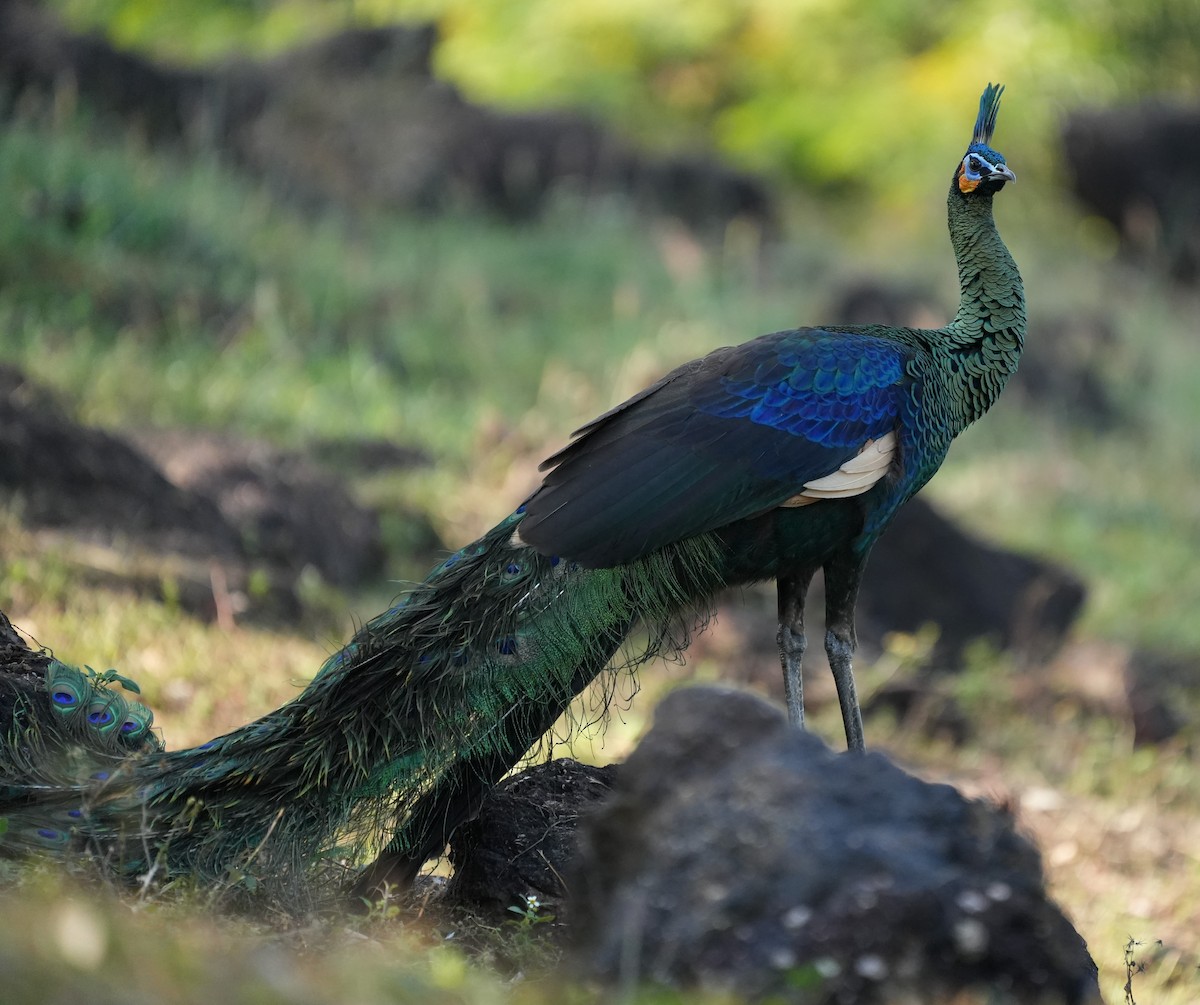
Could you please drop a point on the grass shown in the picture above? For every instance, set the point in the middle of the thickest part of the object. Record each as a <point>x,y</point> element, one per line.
<point>195,299</point>
<point>149,292</point>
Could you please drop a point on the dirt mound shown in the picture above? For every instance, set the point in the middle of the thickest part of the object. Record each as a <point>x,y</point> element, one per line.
<point>739,853</point>
<point>522,842</point>
<point>1135,168</point>
<point>233,524</point>
<point>63,475</point>
<point>280,502</point>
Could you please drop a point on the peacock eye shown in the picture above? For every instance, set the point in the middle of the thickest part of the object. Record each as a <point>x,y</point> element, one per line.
<point>64,698</point>
<point>975,165</point>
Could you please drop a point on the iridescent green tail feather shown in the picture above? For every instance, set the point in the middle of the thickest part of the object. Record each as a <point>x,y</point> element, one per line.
<point>394,742</point>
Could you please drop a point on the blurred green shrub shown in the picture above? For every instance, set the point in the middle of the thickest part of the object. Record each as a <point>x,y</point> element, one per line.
<point>832,92</point>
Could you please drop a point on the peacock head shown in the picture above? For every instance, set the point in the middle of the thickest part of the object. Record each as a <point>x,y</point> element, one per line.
<point>983,171</point>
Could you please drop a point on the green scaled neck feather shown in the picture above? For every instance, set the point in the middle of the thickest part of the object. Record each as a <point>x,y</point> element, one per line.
<point>987,334</point>
<point>988,331</point>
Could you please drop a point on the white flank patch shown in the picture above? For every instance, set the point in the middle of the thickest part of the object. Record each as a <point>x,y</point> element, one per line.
<point>854,477</point>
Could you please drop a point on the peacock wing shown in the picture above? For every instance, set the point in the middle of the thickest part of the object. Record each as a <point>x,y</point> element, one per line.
<point>717,440</point>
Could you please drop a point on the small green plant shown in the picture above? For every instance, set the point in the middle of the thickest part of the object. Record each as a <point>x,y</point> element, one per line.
<point>530,913</point>
<point>110,676</point>
<point>385,907</point>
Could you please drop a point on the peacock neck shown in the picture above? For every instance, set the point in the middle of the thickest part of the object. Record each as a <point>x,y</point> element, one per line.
<point>985,339</point>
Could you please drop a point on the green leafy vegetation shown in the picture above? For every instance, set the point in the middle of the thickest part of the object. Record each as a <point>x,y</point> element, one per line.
<point>829,92</point>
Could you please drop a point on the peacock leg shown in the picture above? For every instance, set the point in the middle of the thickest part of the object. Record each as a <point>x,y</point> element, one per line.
<point>791,593</point>
<point>842,577</point>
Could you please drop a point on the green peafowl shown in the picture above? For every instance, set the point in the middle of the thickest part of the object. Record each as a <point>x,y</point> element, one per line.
<point>770,460</point>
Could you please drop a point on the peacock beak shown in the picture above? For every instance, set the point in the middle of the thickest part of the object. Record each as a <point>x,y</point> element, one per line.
<point>1001,172</point>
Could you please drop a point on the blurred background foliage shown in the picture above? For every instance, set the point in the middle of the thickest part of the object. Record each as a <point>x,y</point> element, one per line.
<point>830,92</point>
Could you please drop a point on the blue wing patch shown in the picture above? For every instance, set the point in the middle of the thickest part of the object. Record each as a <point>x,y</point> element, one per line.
<point>717,440</point>
<point>833,392</point>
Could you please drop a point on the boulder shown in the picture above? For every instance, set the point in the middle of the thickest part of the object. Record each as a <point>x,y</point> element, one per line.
<point>738,853</point>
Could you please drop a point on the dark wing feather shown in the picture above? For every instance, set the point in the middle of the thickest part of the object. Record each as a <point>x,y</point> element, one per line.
<point>717,440</point>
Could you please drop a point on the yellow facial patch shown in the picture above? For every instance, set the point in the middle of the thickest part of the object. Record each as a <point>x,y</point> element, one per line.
<point>965,184</point>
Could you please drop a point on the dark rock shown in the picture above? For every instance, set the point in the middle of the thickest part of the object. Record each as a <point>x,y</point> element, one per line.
<point>927,569</point>
<point>523,840</point>
<point>222,509</point>
<point>736,852</point>
<point>1146,188</point>
<point>358,120</point>
<point>65,475</point>
<point>278,500</point>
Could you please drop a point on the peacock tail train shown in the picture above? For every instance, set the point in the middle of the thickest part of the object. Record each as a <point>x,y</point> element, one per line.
<point>400,733</point>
